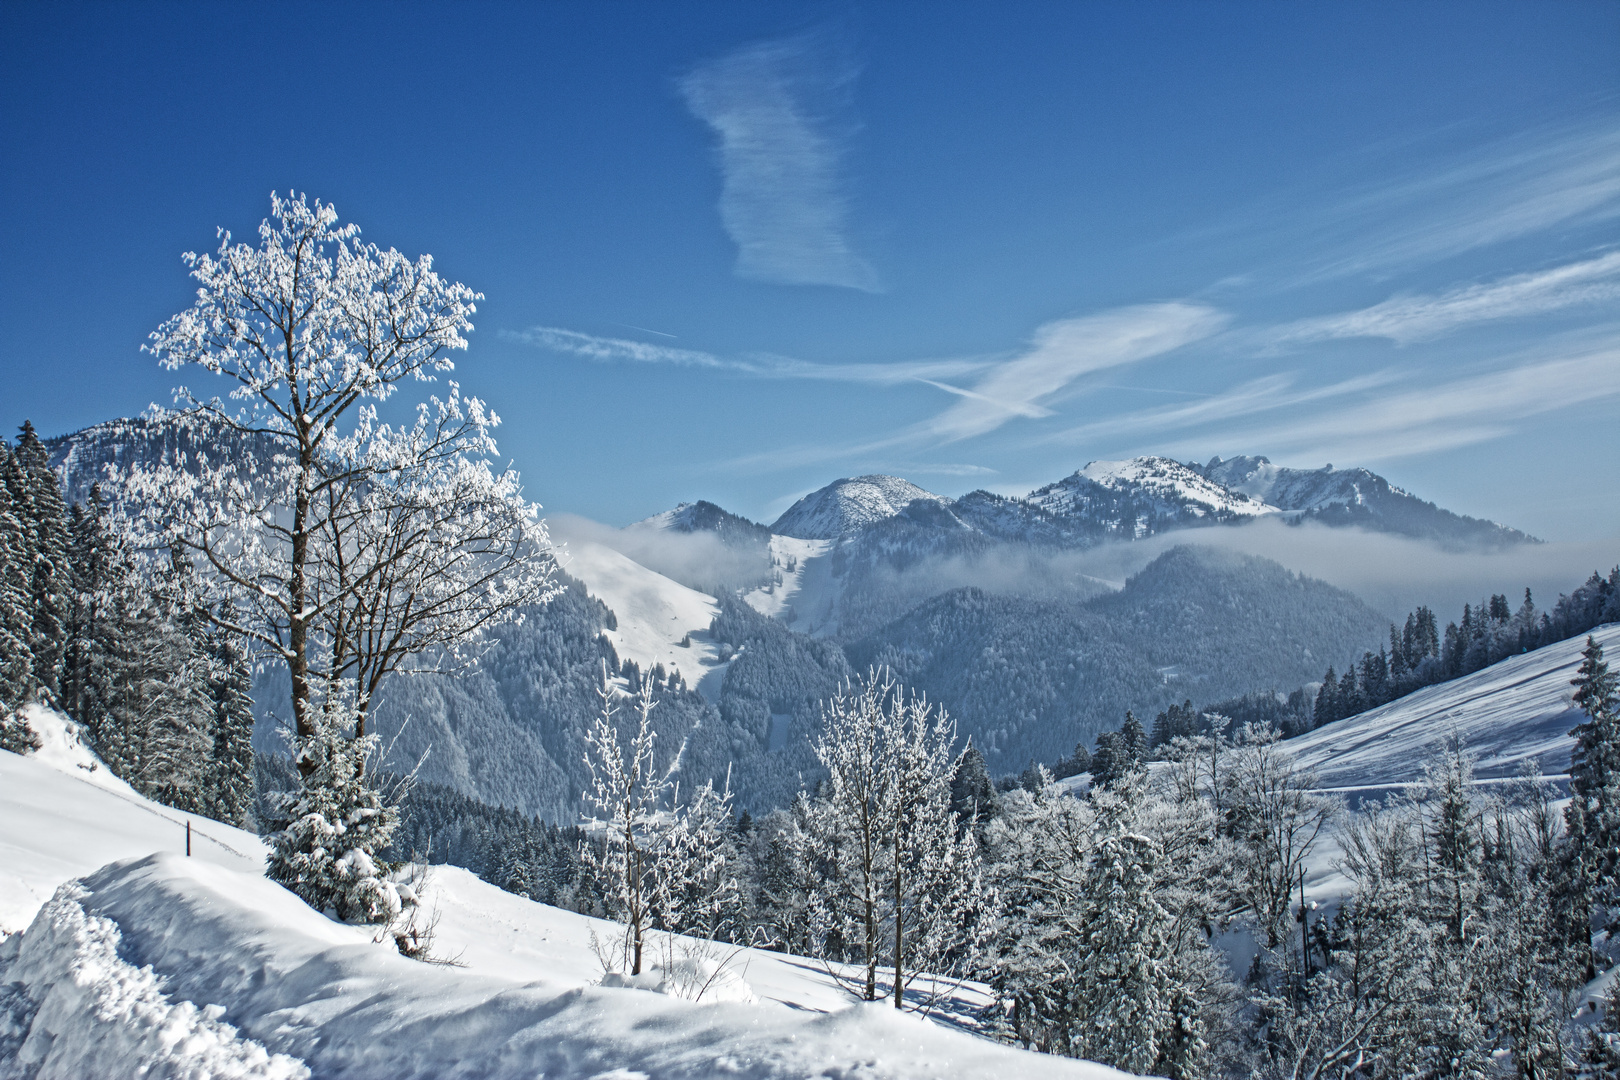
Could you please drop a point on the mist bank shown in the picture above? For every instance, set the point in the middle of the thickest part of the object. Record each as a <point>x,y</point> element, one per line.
<point>1391,574</point>
<point>698,559</point>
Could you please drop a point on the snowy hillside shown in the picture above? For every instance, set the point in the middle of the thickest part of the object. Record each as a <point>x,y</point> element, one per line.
<point>162,965</point>
<point>655,614</point>
<point>1508,713</point>
<point>804,589</point>
<point>846,506</point>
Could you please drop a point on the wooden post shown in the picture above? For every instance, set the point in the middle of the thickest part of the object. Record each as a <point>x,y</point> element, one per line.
<point>188,838</point>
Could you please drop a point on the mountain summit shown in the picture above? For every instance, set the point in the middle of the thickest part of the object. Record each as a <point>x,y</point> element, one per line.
<point>1355,497</point>
<point>846,506</point>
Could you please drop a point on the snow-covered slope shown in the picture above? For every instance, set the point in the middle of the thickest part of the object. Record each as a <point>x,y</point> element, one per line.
<point>845,506</point>
<point>161,965</point>
<point>654,613</point>
<point>1509,713</point>
<point>63,814</point>
<point>803,587</point>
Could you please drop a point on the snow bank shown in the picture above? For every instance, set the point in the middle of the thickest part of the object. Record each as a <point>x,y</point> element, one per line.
<point>295,983</point>
<point>70,1007</point>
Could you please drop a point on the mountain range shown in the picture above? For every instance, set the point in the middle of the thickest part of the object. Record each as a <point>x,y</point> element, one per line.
<point>978,601</point>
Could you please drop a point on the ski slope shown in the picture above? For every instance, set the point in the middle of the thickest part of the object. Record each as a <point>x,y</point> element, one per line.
<point>158,965</point>
<point>1512,712</point>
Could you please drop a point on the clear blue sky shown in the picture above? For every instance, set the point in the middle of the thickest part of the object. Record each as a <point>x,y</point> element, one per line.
<point>734,251</point>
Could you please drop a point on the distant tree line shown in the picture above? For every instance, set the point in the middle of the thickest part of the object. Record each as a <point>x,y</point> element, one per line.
<point>1418,655</point>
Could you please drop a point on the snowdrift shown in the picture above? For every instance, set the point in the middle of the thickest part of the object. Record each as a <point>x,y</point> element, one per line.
<point>253,983</point>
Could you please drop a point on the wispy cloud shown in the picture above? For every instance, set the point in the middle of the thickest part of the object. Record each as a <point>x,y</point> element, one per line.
<point>1405,319</point>
<point>1563,177</point>
<point>1498,192</point>
<point>1366,423</point>
<point>1007,387</point>
<point>1062,352</point>
<point>1266,394</point>
<point>608,350</point>
<point>780,111</point>
<point>1445,415</point>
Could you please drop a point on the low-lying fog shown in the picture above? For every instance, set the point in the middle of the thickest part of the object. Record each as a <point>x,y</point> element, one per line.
<point>1392,574</point>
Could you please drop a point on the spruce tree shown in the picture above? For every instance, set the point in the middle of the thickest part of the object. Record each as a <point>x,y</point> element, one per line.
<point>49,552</point>
<point>16,659</point>
<point>1592,819</point>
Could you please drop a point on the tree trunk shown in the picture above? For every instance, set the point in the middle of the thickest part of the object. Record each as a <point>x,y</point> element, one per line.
<point>899,927</point>
<point>297,621</point>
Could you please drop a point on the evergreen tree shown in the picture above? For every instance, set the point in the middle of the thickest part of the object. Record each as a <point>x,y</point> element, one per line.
<point>16,593</point>
<point>1327,699</point>
<point>1592,818</point>
<point>48,551</point>
<point>329,848</point>
<point>1133,1007</point>
<point>973,797</point>
<point>228,782</point>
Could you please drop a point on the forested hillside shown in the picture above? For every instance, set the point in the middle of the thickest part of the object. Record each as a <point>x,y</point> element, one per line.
<point>1029,678</point>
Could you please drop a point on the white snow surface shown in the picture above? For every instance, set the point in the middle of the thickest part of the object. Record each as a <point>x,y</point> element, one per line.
<point>655,614</point>
<point>845,506</point>
<point>1511,712</point>
<point>63,814</point>
<point>159,965</point>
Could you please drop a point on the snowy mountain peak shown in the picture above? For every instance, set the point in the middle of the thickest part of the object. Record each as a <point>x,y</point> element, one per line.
<point>845,506</point>
<point>1355,497</point>
<point>1159,485</point>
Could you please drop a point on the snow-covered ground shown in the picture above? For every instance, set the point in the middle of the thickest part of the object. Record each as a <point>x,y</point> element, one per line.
<point>159,965</point>
<point>655,614</point>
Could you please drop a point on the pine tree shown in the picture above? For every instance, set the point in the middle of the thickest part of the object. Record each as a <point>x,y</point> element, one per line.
<point>1327,699</point>
<point>36,492</point>
<point>329,847</point>
<point>228,783</point>
<point>1127,992</point>
<point>16,660</point>
<point>1592,819</point>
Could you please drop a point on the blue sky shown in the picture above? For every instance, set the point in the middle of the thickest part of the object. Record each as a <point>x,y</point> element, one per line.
<point>736,251</point>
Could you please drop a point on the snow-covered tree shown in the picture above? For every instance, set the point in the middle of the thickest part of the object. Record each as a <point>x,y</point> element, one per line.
<point>627,796</point>
<point>47,551</point>
<point>1593,815</point>
<point>16,660</point>
<point>348,546</point>
<point>661,864</point>
<point>905,886</point>
<point>342,545</point>
<point>1277,819</point>
<point>329,851</point>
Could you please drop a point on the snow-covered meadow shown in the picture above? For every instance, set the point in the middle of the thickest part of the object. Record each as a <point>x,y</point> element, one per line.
<point>126,957</point>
